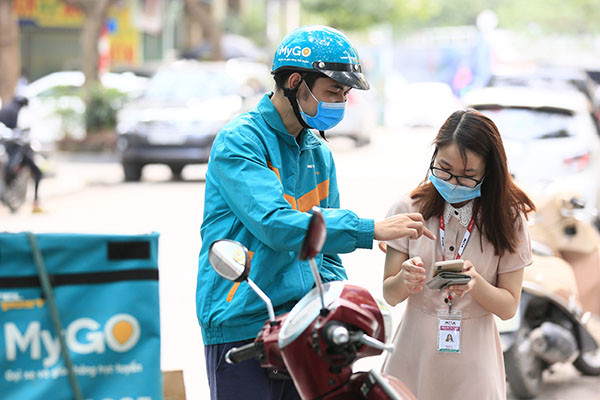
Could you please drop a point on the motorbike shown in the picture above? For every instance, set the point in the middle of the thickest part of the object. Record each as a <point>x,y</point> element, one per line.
<point>558,318</point>
<point>318,341</point>
<point>14,174</point>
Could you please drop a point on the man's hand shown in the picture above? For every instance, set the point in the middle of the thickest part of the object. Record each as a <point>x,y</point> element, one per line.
<point>401,225</point>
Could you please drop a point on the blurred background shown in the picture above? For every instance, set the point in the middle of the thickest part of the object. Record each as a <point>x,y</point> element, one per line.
<point>124,99</point>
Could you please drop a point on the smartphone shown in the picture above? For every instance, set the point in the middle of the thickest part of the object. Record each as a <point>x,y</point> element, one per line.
<point>448,265</point>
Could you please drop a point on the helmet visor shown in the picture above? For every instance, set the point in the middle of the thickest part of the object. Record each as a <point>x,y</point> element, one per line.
<point>346,74</point>
<point>355,80</point>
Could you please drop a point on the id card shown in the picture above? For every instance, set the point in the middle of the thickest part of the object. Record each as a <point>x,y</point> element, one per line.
<point>448,332</point>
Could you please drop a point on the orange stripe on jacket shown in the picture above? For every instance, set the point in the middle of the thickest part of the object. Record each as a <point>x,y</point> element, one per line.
<point>272,168</point>
<point>235,286</point>
<point>314,197</point>
<point>287,197</point>
<point>291,200</point>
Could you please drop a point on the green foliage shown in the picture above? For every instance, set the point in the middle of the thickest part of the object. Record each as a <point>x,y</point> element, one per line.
<point>250,24</point>
<point>352,14</point>
<point>545,16</point>
<point>67,104</point>
<point>551,16</point>
<point>102,107</point>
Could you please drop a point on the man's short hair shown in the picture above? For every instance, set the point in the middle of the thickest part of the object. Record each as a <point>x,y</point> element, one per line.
<point>310,77</point>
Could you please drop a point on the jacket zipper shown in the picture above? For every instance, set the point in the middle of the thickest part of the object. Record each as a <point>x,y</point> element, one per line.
<point>299,264</point>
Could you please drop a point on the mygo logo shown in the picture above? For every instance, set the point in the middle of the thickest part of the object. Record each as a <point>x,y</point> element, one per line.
<point>121,333</point>
<point>295,51</point>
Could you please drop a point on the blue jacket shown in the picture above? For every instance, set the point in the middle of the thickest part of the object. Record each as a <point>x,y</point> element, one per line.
<point>260,183</point>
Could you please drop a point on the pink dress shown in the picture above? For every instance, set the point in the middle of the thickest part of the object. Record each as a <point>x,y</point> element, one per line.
<point>477,372</point>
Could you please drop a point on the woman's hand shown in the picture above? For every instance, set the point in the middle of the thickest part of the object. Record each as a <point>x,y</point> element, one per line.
<point>413,274</point>
<point>461,290</point>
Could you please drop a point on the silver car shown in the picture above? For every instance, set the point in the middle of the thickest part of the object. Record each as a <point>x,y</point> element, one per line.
<point>550,138</point>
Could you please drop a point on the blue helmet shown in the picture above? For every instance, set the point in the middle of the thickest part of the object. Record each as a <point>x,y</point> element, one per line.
<point>321,49</point>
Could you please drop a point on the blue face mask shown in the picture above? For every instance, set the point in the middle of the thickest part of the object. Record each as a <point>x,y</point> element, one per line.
<point>455,193</point>
<point>328,114</point>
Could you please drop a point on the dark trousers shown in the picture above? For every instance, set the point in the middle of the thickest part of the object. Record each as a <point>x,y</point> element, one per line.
<point>246,380</point>
<point>36,172</point>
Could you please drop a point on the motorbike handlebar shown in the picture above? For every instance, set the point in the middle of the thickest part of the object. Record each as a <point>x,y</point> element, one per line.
<point>246,352</point>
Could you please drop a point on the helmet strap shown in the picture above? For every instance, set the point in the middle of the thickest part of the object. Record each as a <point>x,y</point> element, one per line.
<point>291,95</point>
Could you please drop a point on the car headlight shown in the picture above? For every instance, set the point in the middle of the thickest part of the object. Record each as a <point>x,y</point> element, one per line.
<point>122,144</point>
<point>126,127</point>
<point>387,317</point>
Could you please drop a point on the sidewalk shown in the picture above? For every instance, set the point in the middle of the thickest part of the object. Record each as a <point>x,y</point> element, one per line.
<point>68,173</point>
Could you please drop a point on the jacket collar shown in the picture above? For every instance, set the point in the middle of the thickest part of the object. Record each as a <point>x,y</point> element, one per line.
<point>271,116</point>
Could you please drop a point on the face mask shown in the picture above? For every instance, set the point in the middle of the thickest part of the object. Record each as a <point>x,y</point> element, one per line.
<point>455,193</point>
<point>328,114</point>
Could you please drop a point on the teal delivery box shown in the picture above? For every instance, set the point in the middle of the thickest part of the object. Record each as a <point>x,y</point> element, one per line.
<point>102,291</point>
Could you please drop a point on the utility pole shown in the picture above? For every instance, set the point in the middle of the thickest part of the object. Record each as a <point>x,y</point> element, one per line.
<point>282,16</point>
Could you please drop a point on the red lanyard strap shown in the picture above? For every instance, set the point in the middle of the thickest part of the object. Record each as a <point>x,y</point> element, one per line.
<point>465,239</point>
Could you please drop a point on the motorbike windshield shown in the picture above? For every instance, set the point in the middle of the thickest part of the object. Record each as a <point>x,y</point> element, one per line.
<point>307,310</point>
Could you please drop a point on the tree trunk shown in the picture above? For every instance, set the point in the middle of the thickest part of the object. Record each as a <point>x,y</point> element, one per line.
<point>10,54</point>
<point>95,13</point>
<point>90,35</point>
<point>199,15</point>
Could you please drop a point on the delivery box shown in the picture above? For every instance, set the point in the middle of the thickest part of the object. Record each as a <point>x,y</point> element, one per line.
<point>102,292</point>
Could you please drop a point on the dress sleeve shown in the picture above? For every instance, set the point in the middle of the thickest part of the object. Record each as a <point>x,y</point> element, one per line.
<point>521,257</point>
<point>401,206</point>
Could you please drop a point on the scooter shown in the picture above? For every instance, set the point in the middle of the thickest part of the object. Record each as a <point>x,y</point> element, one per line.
<point>14,175</point>
<point>558,319</point>
<point>318,341</point>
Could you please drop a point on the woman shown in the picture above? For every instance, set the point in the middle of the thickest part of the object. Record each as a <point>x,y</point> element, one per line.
<point>480,214</point>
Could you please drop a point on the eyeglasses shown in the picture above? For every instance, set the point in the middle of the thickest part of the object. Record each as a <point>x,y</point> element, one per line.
<point>461,180</point>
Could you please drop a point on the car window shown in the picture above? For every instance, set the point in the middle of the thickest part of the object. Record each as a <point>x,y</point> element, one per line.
<point>519,123</point>
<point>582,85</point>
<point>180,85</point>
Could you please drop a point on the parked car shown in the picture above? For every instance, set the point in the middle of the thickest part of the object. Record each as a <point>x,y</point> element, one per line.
<point>549,136</point>
<point>420,104</point>
<point>556,78</point>
<point>55,105</point>
<point>175,120</point>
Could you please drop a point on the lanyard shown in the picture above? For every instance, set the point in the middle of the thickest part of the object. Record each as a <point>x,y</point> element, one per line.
<point>461,248</point>
<point>465,239</point>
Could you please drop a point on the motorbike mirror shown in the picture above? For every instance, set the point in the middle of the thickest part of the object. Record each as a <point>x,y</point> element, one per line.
<point>315,236</point>
<point>229,259</point>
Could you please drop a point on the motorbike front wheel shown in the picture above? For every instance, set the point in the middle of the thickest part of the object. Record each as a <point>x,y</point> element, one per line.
<point>15,192</point>
<point>588,363</point>
<point>523,368</point>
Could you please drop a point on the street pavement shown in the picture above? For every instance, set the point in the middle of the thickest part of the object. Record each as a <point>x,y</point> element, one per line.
<point>86,193</point>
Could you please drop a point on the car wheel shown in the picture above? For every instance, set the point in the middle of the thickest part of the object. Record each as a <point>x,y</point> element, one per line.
<point>132,171</point>
<point>176,171</point>
<point>523,368</point>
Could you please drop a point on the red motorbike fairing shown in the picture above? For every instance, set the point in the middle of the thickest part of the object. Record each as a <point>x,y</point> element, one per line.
<point>316,369</point>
